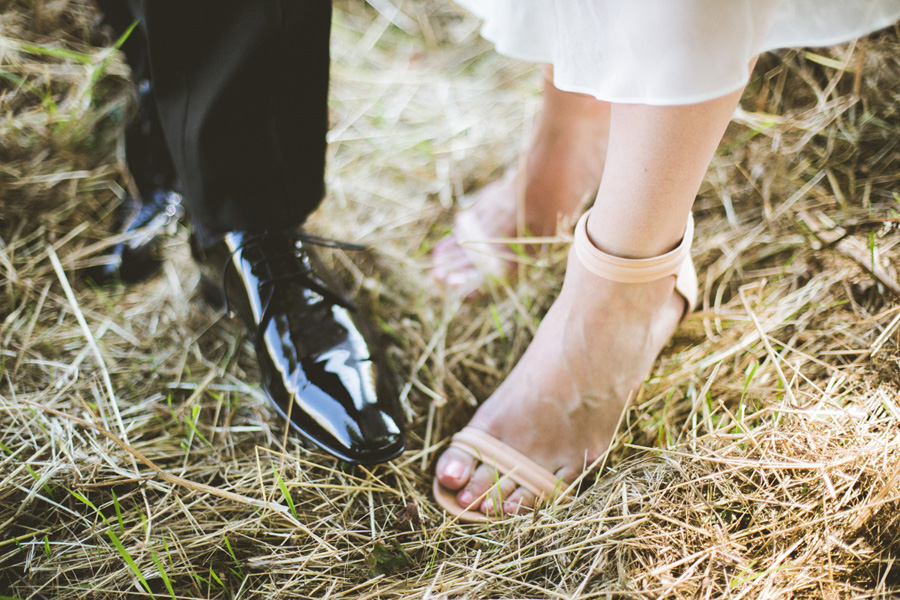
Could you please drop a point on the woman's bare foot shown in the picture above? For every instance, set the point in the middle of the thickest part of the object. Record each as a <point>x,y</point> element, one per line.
<point>562,401</point>
<point>561,171</point>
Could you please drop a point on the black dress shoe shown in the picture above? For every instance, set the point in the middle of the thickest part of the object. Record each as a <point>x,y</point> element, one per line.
<point>315,363</point>
<point>152,214</point>
<point>148,220</point>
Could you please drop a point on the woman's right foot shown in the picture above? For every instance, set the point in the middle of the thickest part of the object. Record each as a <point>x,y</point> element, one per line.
<point>561,404</point>
<point>559,174</point>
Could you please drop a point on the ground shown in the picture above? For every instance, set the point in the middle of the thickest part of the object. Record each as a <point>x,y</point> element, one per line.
<point>760,460</point>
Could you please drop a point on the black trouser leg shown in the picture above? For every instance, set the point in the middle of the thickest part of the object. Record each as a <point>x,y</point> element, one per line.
<point>241,88</point>
<point>145,145</point>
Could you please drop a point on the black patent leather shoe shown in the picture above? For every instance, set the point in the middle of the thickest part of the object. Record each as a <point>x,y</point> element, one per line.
<point>315,363</point>
<point>146,222</point>
<point>152,213</point>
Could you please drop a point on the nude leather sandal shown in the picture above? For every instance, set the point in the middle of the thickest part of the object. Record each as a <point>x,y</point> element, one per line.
<point>512,464</point>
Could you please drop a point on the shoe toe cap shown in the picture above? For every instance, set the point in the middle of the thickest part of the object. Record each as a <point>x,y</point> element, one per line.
<point>333,400</point>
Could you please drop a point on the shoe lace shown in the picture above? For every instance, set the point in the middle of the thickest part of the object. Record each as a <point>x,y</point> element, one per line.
<point>303,274</point>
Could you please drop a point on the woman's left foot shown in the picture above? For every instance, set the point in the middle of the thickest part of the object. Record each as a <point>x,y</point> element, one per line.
<point>561,403</point>
<point>558,175</point>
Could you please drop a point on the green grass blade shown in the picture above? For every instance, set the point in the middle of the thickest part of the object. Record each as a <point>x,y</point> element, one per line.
<point>118,512</point>
<point>192,423</point>
<point>91,504</point>
<point>749,379</point>
<point>162,573</point>
<point>233,556</point>
<point>166,548</point>
<point>497,322</point>
<point>285,492</point>
<point>44,485</point>
<point>872,252</point>
<point>128,560</point>
<point>60,53</point>
<point>125,36</point>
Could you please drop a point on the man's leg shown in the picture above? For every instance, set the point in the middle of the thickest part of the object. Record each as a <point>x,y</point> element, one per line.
<point>241,88</point>
<point>152,202</point>
<point>242,91</point>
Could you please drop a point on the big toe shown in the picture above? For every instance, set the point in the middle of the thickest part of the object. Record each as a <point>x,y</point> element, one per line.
<point>454,469</point>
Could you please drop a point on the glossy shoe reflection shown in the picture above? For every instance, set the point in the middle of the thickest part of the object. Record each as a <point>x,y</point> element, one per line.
<point>315,364</point>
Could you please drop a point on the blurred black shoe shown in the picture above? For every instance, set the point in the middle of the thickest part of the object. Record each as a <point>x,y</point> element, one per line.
<point>139,257</point>
<point>152,214</point>
<point>315,364</point>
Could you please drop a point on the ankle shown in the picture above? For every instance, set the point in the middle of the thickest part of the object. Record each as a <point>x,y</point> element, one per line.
<point>672,270</point>
<point>640,300</point>
<point>624,238</point>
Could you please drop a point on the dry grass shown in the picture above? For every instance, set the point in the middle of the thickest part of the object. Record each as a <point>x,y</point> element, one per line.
<point>762,460</point>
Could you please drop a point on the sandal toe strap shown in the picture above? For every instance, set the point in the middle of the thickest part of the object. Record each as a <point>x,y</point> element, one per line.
<point>508,462</point>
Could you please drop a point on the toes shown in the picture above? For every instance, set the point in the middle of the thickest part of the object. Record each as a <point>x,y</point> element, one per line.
<point>445,249</point>
<point>454,469</point>
<point>448,253</point>
<point>480,486</point>
<point>465,281</point>
<point>520,501</point>
<point>451,266</point>
<point>493,505</point>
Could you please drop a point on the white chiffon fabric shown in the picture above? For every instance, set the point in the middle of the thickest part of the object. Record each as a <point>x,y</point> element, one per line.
<point>665,52</point>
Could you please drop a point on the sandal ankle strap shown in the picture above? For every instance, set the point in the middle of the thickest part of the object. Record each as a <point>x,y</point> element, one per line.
<point>631,270</point>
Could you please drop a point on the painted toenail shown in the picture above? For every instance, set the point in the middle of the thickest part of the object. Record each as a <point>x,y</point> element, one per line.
<point>466,498</point>
<point>455,471</point>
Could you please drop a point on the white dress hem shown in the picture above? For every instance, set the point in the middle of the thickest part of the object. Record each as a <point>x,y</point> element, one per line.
<point>681,57</point>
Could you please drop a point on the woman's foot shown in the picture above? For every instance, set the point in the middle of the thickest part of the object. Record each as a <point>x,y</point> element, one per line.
<point>561,403</point>
<point>559,174</point>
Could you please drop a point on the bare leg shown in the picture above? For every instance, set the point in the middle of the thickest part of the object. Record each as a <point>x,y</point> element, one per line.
<point>560,171</point>
<point>600,338</point>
